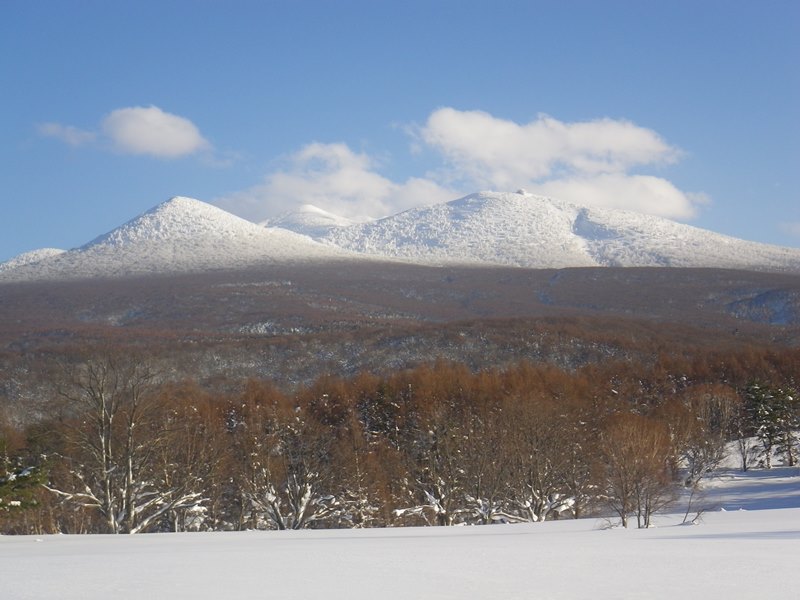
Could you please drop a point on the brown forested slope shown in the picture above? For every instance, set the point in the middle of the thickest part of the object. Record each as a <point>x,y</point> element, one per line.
<point>293,324</point>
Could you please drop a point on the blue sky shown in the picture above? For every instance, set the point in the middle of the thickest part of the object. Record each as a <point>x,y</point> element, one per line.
<point>687,109</point>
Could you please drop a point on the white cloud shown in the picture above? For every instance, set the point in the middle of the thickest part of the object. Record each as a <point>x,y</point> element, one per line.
<point>66,133</point>
<point>504,153</point>
<point>333,177</point>
<point>586,162</point>
<point>590,163</point>
<point>639,193</point>
<point>138,130</point>
<point>152,131</point>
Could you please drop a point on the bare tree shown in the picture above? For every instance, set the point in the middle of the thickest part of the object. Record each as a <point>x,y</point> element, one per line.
<point>114,431</point>
<point>638,470</point>
<point>485,463</point>
<point>285,465</point>
<point>701,423</point>
<point>435,456</point>
<point>190,455</point>
<point>539,453</point>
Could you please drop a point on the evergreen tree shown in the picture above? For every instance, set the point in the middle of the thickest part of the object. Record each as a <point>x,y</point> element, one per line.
<point>20,485</point>
<point>775,418</point>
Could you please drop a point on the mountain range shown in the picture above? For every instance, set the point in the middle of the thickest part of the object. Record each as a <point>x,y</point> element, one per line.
<point>487,228</point>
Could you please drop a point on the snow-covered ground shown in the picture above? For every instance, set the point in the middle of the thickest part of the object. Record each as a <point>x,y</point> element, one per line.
<point>745,545</point>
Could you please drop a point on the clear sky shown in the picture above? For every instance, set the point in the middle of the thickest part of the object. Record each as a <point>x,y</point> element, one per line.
<point>686,109</point>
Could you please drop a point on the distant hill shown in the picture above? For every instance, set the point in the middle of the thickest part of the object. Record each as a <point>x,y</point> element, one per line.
<point>310,220</point>
<point>28,258</point>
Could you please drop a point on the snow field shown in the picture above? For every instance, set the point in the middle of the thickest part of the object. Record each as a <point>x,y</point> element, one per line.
<point>728,554</point>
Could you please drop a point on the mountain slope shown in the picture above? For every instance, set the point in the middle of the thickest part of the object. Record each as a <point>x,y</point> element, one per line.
<point>620,238</point>
<point>520,229</point>
<point>485,228</point>
<point>180,235</point>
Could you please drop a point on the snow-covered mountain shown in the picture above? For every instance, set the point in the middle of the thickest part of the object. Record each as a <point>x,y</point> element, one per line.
<point>311,221</point>
<point>180,235</point>
<point>520,229</point>
<point>487,228</point>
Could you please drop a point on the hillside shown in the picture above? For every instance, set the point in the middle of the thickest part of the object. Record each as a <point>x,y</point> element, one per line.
<point>294,323</point>
<point>219,299</point>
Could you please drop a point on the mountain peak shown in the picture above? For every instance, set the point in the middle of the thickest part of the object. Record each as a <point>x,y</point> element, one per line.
<point>178,218</point>
<point>500,228</point>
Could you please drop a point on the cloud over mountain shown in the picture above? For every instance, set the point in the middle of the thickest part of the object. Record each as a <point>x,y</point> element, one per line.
<point>597,163</point>
<point>503,152</point>
<point>587,162</point>
<point>337,178</point>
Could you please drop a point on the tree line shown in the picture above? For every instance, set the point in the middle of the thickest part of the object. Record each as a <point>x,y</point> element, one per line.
<point>127,450</point>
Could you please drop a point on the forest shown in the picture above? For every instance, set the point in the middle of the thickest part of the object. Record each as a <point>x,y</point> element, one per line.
<point>125,446</point>
<point>390,395</point>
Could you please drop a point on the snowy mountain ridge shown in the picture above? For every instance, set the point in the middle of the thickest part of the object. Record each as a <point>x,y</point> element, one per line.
<point>524,230</point>
<point>179,235</point>
<point>487,228</point>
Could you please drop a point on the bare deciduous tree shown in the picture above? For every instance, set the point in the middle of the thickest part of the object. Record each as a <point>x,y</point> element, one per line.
<point>285,464</point>
<point>114,431</point>
<point>638,470</point>
<point>539,452</point>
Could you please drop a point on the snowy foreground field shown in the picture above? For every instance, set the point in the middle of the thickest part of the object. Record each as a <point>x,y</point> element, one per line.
<point>745,545</point>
